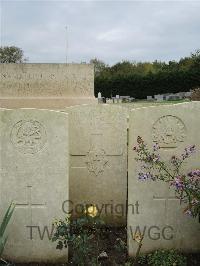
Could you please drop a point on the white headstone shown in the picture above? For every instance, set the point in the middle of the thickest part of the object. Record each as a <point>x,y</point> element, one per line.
<point>99,95</point>
<point>159,97</point>
<point>98,168</point>
<point>149,98</point>
<point>160,214</point>
<point>34,174</point>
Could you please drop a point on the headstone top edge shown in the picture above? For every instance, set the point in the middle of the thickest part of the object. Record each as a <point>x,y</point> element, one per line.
<point>166,106</point>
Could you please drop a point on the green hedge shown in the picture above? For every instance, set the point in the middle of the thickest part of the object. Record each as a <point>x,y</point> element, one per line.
<point>139,86</point>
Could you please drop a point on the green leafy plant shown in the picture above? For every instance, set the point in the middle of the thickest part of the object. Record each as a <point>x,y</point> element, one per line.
<point>80,234</point>
<point>163,258</point>
<point>3,226</point>
<point>120,246</point>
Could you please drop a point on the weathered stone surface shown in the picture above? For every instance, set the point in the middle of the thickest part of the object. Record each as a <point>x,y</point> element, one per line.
<point>33,174</point>
<point>174,127</point>
<point>98,159</point>
<point>46,85</point>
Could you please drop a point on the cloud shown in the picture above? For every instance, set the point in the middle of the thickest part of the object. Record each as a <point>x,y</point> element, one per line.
<point>112,35</point>
<point>109,30</point>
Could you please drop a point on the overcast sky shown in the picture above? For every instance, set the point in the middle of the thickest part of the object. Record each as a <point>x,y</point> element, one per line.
<point>109,30</point>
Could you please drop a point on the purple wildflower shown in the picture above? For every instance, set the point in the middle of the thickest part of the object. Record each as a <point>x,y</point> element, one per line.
<point>194,176</point>
<point>149,158</point>
<point>156,147</point>
<point>195,172</point>
<point>178,183</point>
<point>145,176</point>
<point>175,160</point>
<point>188,151</point>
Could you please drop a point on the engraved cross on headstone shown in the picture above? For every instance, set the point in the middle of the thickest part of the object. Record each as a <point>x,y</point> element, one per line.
<point>96,156</point>
<point>167,198</point>
<point>29,203</point>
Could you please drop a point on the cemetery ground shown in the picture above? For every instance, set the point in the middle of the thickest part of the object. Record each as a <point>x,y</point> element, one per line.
<point>81,152</point>
<point>114,244</point>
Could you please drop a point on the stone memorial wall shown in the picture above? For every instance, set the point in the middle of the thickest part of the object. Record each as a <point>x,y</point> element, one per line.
<point>52,86</point>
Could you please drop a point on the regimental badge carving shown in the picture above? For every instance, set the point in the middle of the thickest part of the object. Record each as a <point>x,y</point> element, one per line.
<point>168,131</point>
<point>96,161</point>
<point>28,137</point>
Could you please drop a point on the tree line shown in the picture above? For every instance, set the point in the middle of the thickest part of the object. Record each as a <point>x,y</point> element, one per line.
<point>135,79</point>
<point>140,79</point>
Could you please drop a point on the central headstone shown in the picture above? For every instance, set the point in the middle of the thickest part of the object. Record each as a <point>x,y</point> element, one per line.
<point>98,159</point>
<point>34,175</point>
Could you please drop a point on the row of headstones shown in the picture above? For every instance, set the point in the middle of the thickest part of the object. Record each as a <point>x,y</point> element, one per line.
<point>116,99</point>
<point>158,97</point>
<point>48,177</point>
<point>170,96</point>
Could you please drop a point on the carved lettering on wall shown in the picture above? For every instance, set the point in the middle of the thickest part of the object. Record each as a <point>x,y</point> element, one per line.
<point>46,80</point>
